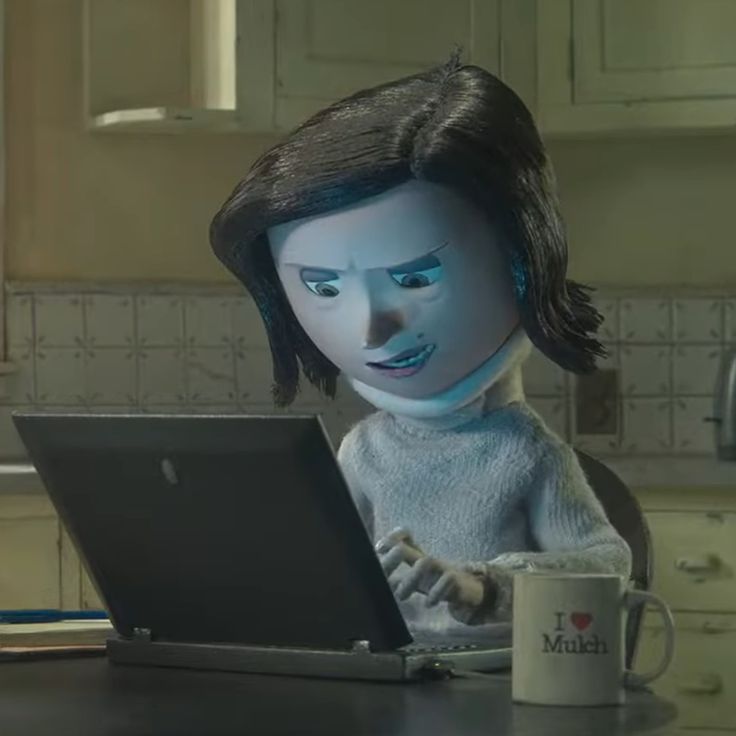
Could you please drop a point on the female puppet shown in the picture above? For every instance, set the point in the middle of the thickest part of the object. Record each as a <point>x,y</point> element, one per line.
<point>409,237</point>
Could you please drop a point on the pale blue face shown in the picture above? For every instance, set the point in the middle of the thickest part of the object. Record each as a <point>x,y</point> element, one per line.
<point>413,276</point>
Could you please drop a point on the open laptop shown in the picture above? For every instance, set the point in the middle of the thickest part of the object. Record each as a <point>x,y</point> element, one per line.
<point>229,542</point>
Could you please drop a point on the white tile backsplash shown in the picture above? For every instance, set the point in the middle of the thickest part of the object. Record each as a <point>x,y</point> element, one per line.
<point>59,320</point>
<point>109,319</point>
<point>247,325</point>
<point>692,434</point>
<point>19,319</point>
<point>645,370</point>
<point>17,387</point>
<point>695,368</point>
<point>60,376</point>
<point>210,375</point>
<point>207,321</point>
<point>698,320</point>
<point>253,375</point>
<point>111,375</point>
<point>160,320</point>
<point>647,426</point>
<point>729,319</point>
<point>608,308</point>
<point>645,320</point>
<point>161,376</point>
<point>124,350</point>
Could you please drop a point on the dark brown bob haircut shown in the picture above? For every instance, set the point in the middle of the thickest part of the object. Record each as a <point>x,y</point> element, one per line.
<point>455,125</point>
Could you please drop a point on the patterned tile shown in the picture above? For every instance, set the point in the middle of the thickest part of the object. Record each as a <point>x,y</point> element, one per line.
<point>60,376</point>
<point>692,434</point>
<point>160,321</point>
<point>59,320</point>
<point>254,376</point>
<point>247,324</point>
<point>210,375</point>
<point>730,320</point>
<point>109,319</point>
<point>698,320</point>
<point>11,445</point>
<point>542,377</point>
<point>207,321</point>
<point>18,387</point>
<point>645,370</point>
<point>645,320</point>
<point>19,319</point>
<point>647,426</point>
<point>609,310</point>
<point>161,376</point>
<point>111,376</point>
<point>695,368</point>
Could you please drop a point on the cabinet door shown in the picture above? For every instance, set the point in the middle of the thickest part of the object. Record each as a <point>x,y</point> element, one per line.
<point>701,680</point>
<point>328,49</point>
<point>653,49</point>
<point>29,549</point>
<point>628,65</point>
<point>694,559</point>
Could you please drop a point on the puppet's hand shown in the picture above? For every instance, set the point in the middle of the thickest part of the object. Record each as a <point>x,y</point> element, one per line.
<point>438,580</point>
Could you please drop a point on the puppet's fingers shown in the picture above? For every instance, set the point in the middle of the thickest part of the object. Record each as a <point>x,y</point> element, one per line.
<point>443,589</point>
<point>395,536</point>
<point>391,560</point>
<point>420,578</point>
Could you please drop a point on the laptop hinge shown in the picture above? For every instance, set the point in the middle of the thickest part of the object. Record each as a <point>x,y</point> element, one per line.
<point>140,634</point>
<point>361,646</point>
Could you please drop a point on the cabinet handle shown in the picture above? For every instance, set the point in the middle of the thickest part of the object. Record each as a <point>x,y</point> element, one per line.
<point>709,684</point>
<point>708,563</point>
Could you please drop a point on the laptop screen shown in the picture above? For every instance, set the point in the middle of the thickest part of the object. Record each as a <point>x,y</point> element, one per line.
<point>216,528</point>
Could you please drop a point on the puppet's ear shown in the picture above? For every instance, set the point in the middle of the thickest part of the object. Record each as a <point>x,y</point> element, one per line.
<point>518,275</point>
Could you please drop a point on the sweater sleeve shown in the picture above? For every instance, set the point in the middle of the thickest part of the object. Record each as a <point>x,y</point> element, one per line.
<point>571,531</point>
<point>348,461</point>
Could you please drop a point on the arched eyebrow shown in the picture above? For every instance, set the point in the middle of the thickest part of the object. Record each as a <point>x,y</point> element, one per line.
<point>417,264</point>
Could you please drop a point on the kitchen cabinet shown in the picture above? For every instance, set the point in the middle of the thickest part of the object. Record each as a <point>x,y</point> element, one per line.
<point>694,552</point>
<point>265,65</point>
<point>328,49</point>
<point>635,65</point>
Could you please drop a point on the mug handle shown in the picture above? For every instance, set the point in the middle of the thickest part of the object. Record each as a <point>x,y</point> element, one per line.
<point>640,598</point>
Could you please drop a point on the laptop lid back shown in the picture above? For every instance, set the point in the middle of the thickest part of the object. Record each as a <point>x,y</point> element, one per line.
<point>216,528</point>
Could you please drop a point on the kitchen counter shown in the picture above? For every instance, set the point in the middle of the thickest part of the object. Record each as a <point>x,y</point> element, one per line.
<point>637,472</point>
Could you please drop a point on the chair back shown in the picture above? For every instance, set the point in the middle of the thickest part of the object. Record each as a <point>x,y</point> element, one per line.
<point>627,518</point>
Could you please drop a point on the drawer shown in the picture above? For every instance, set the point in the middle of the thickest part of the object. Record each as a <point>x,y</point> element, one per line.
<point>694,559</point>
<point>701,680</point>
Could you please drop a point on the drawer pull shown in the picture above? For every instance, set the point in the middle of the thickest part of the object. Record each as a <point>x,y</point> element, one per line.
<point>699,565</point>
<point>703,685</point>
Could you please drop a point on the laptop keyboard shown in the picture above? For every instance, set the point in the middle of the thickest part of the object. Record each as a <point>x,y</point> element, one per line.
<point>435,648</point>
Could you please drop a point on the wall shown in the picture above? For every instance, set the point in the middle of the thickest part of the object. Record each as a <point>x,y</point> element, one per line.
<point>119,207</point>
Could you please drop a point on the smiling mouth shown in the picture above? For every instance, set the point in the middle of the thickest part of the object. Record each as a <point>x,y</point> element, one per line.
<point>406,363</point>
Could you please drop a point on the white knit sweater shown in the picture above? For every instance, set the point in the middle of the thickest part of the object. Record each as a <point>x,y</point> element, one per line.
<point>496,493</point>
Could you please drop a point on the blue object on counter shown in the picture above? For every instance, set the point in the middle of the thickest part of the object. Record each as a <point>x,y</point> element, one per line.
<point>48,615</point>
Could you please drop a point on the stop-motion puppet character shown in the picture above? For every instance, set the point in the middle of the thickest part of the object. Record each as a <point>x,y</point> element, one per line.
<point>409,237</point>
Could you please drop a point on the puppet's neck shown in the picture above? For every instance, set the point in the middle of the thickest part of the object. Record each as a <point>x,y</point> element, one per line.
<point>496,382</point>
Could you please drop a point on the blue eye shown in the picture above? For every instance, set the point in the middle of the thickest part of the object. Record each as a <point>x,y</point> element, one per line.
<point>417,279</point>
<point>321,283</point>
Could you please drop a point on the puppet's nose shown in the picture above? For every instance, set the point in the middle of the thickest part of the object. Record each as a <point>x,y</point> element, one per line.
<point>382,327</point>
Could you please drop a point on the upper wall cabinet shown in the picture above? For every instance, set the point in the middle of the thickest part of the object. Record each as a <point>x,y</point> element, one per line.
<point>616,65</point>
<point>328,49</point>
<point>265,65</point>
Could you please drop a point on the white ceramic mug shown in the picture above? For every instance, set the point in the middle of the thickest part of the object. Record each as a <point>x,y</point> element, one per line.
<point>568,638</point>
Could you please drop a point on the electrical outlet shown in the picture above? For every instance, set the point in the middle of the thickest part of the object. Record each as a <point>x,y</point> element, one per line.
<point>596,402</point>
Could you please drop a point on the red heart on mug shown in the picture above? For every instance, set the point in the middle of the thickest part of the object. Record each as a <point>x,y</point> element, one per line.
<point>581,621</point>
